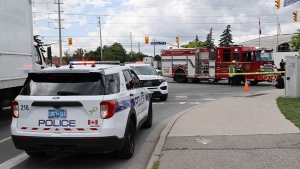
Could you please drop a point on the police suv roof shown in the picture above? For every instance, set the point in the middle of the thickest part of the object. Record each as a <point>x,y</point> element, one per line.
<point>85,68</point>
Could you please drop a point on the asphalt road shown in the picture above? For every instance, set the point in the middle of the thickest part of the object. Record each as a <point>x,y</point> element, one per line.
<point>181,97</point>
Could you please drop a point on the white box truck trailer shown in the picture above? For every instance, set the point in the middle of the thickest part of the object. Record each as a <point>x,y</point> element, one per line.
<point>18,52</point>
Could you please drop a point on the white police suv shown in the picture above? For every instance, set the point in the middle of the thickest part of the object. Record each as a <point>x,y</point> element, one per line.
<point>151,80</point>
<point>88,107</point>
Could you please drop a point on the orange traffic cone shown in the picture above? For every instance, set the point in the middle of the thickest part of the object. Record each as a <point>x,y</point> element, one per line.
<point>246,87</point>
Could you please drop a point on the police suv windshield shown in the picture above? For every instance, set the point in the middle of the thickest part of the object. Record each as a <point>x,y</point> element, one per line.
<point>58,84</point>
<point>264,56</point>
<point>144,70</point>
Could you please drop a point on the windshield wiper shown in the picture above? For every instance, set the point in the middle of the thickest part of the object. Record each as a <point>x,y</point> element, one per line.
<point>66,93</point>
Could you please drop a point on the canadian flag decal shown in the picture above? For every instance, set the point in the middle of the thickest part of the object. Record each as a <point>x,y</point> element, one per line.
<point>92,122</point>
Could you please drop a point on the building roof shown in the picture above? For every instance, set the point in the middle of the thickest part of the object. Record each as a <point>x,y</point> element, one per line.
<point>269,41</point>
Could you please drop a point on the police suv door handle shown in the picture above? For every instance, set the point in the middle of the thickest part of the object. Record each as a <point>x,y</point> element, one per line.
<point>131,94</point>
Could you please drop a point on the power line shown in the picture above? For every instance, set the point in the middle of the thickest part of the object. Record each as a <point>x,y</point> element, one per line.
<point>161,16</point>
<point>192,23</point>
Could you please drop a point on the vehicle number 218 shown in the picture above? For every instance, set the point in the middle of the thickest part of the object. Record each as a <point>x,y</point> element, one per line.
<point>24,107</point>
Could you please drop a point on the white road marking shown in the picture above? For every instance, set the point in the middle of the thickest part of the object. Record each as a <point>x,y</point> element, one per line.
<point>1,141</point>
<point>158,103</point>
<point>209,99</point>
<point>182,102</point>
<point>181,97</point>
<point>14,161</point>
<point>195,103</point>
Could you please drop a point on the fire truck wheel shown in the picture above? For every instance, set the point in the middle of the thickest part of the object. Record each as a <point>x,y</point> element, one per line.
<point>253,82</point>
<point>180,76</point>
<point>195,80</point>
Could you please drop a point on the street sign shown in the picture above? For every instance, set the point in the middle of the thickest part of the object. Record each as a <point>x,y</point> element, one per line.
<point>158,43</point>
<point>289,2</point>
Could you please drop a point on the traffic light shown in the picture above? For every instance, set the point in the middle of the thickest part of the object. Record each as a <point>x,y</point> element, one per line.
<point>146,39</point>
<point>295,16</point>
<point>277,4</point>
<point>177,39</point>
<point>70,41</point>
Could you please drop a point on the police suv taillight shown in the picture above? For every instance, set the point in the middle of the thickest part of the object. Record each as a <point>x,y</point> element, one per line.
<point>108,108</point>
<point>14,109</point>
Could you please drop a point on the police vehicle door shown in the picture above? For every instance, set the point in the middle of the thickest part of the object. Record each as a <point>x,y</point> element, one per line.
<point>143,102</point>
<point>134,92</point>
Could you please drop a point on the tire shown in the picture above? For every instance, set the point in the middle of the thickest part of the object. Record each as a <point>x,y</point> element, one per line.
<point>35,153</point>
<point>195,80</point>
<point>148,122</point>
<point>164,97</point>
<point>238,80</point>
<point>127,150</point>
<point>253,82</point>
<point>180,77</point>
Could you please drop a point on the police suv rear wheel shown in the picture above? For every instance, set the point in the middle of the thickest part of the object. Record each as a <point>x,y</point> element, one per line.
<point>148,123</point>
<point>128,148</point>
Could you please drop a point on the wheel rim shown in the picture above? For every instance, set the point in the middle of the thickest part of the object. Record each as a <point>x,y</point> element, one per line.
<point>180,77</point>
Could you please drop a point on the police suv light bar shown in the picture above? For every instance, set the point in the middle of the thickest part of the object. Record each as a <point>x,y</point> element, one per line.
<point>94,62</point>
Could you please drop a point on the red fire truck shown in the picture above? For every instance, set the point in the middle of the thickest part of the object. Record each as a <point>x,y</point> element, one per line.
<point>204,64</point>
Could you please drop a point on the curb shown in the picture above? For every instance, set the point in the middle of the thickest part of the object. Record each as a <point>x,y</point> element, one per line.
<point>162,138</point>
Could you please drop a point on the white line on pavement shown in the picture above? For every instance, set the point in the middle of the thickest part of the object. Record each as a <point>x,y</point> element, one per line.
<point>14,161</point>
<point>1,141</point>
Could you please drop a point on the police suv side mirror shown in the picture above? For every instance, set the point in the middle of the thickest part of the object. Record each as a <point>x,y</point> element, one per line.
<point>129,85</point>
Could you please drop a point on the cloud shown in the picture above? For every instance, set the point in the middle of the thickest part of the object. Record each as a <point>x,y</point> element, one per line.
<point>160,20</point>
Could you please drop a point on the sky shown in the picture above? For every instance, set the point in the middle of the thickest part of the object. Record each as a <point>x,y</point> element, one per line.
<point>129,21</point>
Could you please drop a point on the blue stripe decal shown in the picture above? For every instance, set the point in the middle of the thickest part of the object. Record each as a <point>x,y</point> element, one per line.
<point>124,104</point>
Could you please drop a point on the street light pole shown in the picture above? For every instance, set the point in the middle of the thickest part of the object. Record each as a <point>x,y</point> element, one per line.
<point>59,32</point>
<point>99,22</point>
<point>154,48</point>
<point>131,44</point>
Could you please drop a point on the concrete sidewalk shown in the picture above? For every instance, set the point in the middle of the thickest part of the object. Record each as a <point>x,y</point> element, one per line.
<point>233,132</point>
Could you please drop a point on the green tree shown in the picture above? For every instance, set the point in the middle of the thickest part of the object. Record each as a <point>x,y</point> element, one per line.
<point>226,37</point>
<point>295,41</point>
<point>93,55</point>
<point>79,54</point>
<point>196,39</point>
<point>209,43</point>
<point>115,52</point>
<point>67,57</point>
<point>193,44</point>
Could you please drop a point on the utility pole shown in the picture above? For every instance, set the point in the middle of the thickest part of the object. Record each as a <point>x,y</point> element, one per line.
<point>277,34</point>
<point>139,46</point>
<point>59,32</point>
<point>99,22</point>
<point>131,44</point>
<point>154,48</point>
